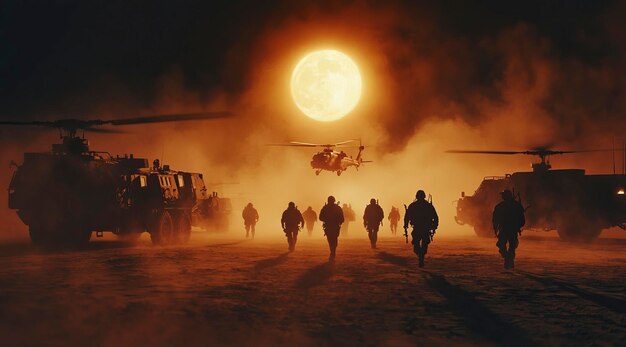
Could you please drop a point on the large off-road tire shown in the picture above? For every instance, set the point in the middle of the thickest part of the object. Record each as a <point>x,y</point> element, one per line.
<point>163,232</point>
<point>578,231</point>
<point>182,227</point>
<point>483,230</point>
<point>40,236</point>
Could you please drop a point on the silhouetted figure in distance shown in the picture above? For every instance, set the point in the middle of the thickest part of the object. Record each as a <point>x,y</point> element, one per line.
<point>508,220</point>
<point>394,217</point>
<point>291,222</point>
<point>372,220</point>
<point>332,217</point>
<point>422,216</point>
<point>350,216</point>
<point>250,218</point>
<point>310,217</point>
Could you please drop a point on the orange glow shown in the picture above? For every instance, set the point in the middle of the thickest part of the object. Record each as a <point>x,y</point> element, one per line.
<point>620,191</point>
<point>326,85</point>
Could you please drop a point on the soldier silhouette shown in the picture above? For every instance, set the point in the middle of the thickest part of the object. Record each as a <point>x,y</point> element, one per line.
<point>372,220</point>
<point>422,216</point>
<point>310,217</point>
<point>508,219</point>
<point>349,216</point>
<point>394,217</point>
<point>291,223</point>
<point>250,218</point>
<point>332,217</point>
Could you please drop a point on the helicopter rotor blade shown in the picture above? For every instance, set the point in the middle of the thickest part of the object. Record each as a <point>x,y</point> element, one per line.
<point>104,131</point>
<point>539,152</point>
<point>180,117</point>
<point>289,145</point>
<point>485,152</point>
<point>306,144</point>
<point>344,142</point>
<point>31,123</point>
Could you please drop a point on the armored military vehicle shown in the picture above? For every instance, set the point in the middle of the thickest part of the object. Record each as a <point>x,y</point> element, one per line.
<point>67,194</point>
<point>576,205</point>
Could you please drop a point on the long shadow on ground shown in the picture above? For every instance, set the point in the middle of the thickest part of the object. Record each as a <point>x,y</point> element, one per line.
<point>393,259</point>
<point>477,317</point>
<point>270,262</point>
<point>614,304</point>
<point>315,276</point>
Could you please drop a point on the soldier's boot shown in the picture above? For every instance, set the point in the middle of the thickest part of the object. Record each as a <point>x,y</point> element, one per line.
<point>507,261</point>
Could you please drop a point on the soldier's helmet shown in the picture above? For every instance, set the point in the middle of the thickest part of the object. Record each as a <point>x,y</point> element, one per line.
<point>292,204</point>
<point>331,199</point>
<point>506,195</point>
<point>420,195</point>
<point>372,201</point>
<point>249,204</point>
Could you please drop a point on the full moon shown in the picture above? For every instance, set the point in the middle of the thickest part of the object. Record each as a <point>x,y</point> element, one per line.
<point>326,85</point>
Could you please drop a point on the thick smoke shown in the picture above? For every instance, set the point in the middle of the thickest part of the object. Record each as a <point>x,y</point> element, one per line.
<point>429,85</point>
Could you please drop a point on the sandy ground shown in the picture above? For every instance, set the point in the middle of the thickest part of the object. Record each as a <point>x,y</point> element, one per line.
<point>225,291</point>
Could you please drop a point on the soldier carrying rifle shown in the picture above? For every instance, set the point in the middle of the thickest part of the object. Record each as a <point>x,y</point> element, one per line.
<point>422,216</point>
<point>291,222</point>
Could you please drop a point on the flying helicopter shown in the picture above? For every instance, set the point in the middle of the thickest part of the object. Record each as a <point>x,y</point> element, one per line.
<point>68,193</point>
<point>577,205</point>
<point>329,159</point>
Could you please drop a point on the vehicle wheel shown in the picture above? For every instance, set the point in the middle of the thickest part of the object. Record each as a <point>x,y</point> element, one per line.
<point>162,231</point>
<point>483,231</point>
<point>81,237</point>
<point>39,236</point>
<point>573,230</point>
<point>183,227</point>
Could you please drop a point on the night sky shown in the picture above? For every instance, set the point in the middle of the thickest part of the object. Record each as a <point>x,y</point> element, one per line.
<point>559,62</point>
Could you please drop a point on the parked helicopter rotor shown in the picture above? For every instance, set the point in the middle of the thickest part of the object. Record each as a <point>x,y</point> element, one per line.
<point>542,152</point>
<point>68,193</point>
<point>577,205</point>
<point>70,125</point>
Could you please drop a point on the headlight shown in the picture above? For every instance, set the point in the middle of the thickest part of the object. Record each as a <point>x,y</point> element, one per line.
<point>620,191</point>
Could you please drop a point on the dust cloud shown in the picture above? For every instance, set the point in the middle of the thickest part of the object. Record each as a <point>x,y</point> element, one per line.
<point>426,90</point>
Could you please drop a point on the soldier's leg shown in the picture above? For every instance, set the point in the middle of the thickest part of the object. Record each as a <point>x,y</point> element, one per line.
<point>513,243</point>
<point>289,239</point>
<point>374,236</point>
<point>332,243</point>
<point>425,243</point>
<point>295,237</point>
<point>253,229</point>
<point>415,240</point>
<point>501,244</point>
